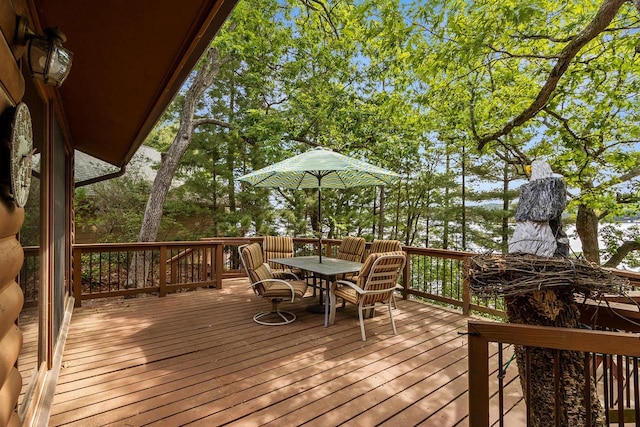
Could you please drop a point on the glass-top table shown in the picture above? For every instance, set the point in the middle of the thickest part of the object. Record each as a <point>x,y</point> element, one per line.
<point>328,270</point>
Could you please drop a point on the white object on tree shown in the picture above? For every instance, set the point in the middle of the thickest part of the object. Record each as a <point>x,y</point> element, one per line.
<point>540,169</point>
<point>533,238</point>
<point>536,237</point>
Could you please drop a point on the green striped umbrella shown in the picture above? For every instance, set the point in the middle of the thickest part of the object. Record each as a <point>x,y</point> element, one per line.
<point>319,168</point>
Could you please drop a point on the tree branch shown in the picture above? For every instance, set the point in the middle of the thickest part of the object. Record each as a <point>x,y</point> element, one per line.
<point>515,55</point>
<point>633,173</point>
<point>211,121</point>
<point>289,199</point>
<point>565,125</point>
<point>622,252</point>
<point>327,14</point>
<point>601,20</point>
<point>546,37</point>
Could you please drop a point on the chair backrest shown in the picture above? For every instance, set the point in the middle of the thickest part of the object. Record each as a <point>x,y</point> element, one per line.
<point>254,265</point>
<point>351,249</point>
<point>380,272</point>
<point>385,246</point>
<point>277,247</point>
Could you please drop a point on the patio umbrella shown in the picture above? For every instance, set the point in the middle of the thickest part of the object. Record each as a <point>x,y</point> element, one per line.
<point>320,168</point>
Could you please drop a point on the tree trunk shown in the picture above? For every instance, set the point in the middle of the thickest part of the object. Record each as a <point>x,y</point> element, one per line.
<point>381,215</point>
<point>587,228</point>
<point>374,228</point>
<point>445,216</point>
<point>557,309</point>
<point>464,201</point>
<point>168,166</point>
<point>396,226</point>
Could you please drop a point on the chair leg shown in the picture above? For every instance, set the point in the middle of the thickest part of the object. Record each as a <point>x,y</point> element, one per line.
<point>364,337</point>
<point>393,324</point>
<point>332,307</point>
<point>370,311</point>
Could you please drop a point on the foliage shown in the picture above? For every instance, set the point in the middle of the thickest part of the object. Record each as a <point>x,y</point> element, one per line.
<point>111,211</point>
<point>416,88</point>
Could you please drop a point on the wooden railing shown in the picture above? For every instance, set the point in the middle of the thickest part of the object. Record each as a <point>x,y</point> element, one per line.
<point>105,270</point>
<point>610,360</point>
<point>109,270</point>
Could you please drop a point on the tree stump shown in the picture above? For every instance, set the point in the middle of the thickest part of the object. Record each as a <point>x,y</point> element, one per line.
<point>555,308</point>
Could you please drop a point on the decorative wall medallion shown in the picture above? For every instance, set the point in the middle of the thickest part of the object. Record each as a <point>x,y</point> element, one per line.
<point>21,154</point>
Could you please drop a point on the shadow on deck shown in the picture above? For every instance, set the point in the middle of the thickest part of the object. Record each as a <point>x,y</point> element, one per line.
<point>197,357</point>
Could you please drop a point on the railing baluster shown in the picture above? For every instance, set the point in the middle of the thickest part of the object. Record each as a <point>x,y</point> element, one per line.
<point>501,374</point>
<point>605,387</point>
<point>100,272</point>
<point>527,369</point>
<point>556,387</point>
<point>620,382</point>
<point>636,391</point>
<point>451,282</point>
<point>163,271</point>
<point>109,271</point>
<point>91,273</point>
<point>128,267</point>
<point>587,387</point>
<point>192,266</point>
<point>627,380</point>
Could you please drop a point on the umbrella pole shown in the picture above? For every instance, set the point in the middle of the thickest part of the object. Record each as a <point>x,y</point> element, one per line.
<point>319,221</point>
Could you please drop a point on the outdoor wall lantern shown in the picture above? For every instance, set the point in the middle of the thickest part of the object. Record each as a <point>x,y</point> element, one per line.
<point>47,59</point>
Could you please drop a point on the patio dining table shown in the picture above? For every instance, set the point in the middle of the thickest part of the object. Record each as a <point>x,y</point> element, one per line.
<point>329,269</point>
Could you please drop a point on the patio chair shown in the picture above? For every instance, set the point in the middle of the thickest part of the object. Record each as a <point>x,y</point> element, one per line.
<point>385,246</point>
<point>351,249</point>
<point>266,286</point>
<point>279,247</point>
<point>377,280</point>
<point>379,246</point>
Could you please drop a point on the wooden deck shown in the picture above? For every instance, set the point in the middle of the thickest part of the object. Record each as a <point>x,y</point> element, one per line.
<point>198,358</point>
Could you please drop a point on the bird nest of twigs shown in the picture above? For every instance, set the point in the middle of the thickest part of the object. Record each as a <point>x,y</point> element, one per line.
<point>492,275</point>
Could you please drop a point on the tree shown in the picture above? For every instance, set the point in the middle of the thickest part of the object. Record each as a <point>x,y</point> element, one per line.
<point>204,77</point>
<point>507,64</point>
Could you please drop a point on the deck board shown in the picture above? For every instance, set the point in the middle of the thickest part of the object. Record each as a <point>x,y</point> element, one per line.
<point>197,358</point>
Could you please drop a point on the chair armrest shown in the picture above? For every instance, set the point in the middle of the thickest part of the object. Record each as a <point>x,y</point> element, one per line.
<point>352,285</point>
<point>290,273</point>
<point>284,282</point>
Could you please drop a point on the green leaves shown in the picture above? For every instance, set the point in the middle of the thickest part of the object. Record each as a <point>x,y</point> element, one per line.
<point>407,86</point>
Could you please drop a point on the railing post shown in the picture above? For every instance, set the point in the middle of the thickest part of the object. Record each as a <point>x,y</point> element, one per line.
<point>478,378</point>
<point>77,277</point>
<point>406,279</point>
<point>163,271</point>
<point>218,264</point>
<point>466,289</point>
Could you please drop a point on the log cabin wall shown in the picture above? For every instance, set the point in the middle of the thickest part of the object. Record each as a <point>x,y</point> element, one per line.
<point>11,300</point>
<point>56,195</point>
<point>12,87</point>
